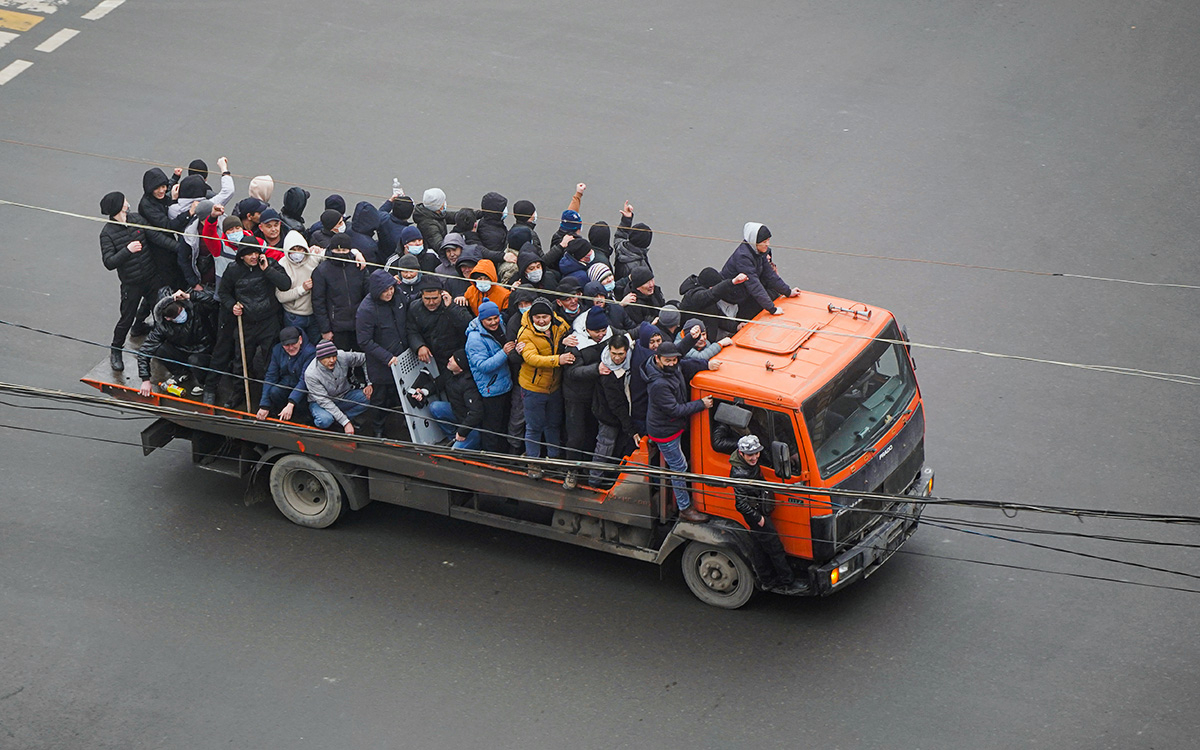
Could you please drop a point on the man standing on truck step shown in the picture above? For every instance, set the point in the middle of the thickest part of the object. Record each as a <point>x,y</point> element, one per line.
<point>331,397</point>
<point>668,415</point>
<point>545,336</point>
<point>754,504</point>
<point>762,285</point>
<point>283,385</point>
<point>122,250</point>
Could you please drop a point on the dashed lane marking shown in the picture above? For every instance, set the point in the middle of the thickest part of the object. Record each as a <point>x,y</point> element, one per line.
<point>14,69</point>
<point>6,37</point>
<point>56,41</point>
<point>10,19</point>
<point>34,6</point>
<point>101,10</point>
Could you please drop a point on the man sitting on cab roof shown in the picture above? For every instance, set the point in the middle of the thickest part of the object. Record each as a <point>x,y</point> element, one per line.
<point>763,284</point>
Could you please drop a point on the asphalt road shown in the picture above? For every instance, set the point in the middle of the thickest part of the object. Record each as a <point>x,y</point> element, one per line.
<point>143,605</point>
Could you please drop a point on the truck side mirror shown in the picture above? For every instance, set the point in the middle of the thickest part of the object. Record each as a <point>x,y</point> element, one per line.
<point>907,346</point>
<point>781,459</point>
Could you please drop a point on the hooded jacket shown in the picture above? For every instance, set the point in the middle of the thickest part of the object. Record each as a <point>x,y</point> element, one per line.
<point>541,371</point>
<point>527,257</point>
<point>190,189</point>
<point>576,269</point>
<point>763,284</point>
<point>639,357</point>
<point>488,360</point>
<point>442,330</point>
<point>135,269</point>
<point>534,239</point>
<point>296,299</point>
<point>432,225</point>
<point>645,307</point>
<point>362,226</point>
<point>381,326</point>
<point>668,401</point>
<point>287,371</point>
<point>581,376</point>
<point>189,337</point>
<point>391,224</point>
<point>154,213</point>
<point>338,286</point>
<point>295,200</point>
<point>628,256</point>
<point>324,385</point>
<point>704,303</point>
<point>493,233</point>
<point>457,285</point>
<point>254,288</point>
<point>497,293</point>
<point>611,399</point>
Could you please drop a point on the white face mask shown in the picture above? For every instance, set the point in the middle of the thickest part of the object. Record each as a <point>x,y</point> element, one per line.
<point>483,285</point>
<point>504,216</point>
<point>541,329</point>
<point>533,219</point>
<point>182,317</point>
<point>535,276</point>
<point>340,228</point>
<point>411,281</point>
<point>236,235</point>
<point>296,257</point>
<point>524,308</point>
<point>415,249</point>
<point>589,257</point>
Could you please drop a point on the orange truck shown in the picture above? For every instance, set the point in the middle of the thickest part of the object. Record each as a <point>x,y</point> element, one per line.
<point>828,387</point>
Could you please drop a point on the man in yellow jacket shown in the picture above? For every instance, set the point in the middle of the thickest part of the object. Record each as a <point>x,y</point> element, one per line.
<point>542,341</point>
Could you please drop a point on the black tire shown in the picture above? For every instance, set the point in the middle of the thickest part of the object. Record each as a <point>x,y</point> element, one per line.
<point>717,575</point>
<point>305,491</point>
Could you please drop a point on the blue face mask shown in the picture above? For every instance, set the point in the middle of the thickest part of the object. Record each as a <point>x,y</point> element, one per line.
<point>182,317</point>
<point>610,285</point>
<point>416,249</point>
<point>235,235</point>
<point>504,216</point>
<point>483,285</point>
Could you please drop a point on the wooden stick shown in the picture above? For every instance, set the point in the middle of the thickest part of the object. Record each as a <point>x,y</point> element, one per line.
<point>245,369</point>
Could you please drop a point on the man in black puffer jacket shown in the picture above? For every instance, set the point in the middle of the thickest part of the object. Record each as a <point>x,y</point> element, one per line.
<point>181,339</point>
<point>294,202</point>
<point>338,286</point>
<point>714,299</point>
<point>122,250</point>
<point>248,291</point>
<point>382,335</point>
<point>164,246</point>
<point>755,506</point>
<point>436,327</point>
<point>493,233</point>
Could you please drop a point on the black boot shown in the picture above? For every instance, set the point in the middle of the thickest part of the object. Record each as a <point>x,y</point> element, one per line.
<point>210,396</point>
<point>116,358</point>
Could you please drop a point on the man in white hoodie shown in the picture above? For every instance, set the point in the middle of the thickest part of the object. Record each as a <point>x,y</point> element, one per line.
<point>299,260</point>
<point>763,285</point>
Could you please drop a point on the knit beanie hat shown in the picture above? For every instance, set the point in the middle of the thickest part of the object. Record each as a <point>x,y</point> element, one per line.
<point>600,235</point>
<point>541,306</point>
<point>193,186</point>
<point>488,309</point>
<point>710,277</point>
<point>598,272</point>
<point>523,210</point>
<point>326,349</point>
<point>408,262</point>
<point>460,357</point>
<point>230,222</point>
<point>763,233</point>
<point>409,234</point>
<point>639,277</point>
<point>669,316</point>
<point>640,236</point>
<point>518,236</point>
<point>597,319</point>
<point>111,204</point>
<point>330,218</point>
<point>402,207</point>
<point>337,203</point>
<point>571,222</point>
<point>340,241</point>
<point>198,167</point>
<point>203,209</point>
<point>578,248</point>
<point>434,199</point>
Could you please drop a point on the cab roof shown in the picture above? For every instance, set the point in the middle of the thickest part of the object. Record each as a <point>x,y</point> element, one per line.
<point>785,358</point>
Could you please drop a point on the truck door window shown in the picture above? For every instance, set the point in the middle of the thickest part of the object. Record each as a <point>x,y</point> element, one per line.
<point>768,424</point>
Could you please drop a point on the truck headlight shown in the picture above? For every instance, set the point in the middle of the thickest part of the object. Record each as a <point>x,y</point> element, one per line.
<point>836,574</point>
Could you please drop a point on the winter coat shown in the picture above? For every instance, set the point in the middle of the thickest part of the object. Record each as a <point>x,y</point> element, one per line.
<point>324,385</point>
<point>338,286</point>
<point>568,266</point>
<point>381,326</point>
<point>580,377</point>
<point>536,241</point>
<point>292,215</point>
<point>362,227</point>
<point>488,360</point>
<point>611,400</point>
<point>527,257</point>
<point>669,406</point>
<point>493,233</point>
<point>645,307</point>
<point>255,289</point>
<point>389,229</point>
<point>288,372</point>
<point>702,304</point>
<point>223,254</point>
<point>540,371</point>
<point>193,336</point>
<point>628,257</point>
<point>296,299</point>
<point>154,213</point>
<point>135,269</point>
<point>763,285</point>
<point>752,502</point>
<point>442,330</point>
<point>432,225</point>
<point>464,401</point>
<point>497,293</point>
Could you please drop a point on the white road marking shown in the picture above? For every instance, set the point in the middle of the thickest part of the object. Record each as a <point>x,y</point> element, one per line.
<point>101,10</point>
<point>14,69</point>
<point>6,37</point>
<point>35,6</point>
<point>56,41</point>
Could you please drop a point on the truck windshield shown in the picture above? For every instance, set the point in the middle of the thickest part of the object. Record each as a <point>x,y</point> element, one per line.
<point>847,416</point>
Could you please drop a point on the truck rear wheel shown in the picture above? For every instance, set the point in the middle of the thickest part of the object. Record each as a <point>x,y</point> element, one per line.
<point>306,492</point>
<point>717,575</point>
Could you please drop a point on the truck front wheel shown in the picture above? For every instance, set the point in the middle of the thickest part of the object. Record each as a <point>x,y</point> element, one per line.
<point>717,575</point>
<point>306,492</point>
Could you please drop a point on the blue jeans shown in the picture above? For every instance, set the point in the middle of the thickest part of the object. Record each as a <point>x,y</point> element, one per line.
<point>672,453</point>
<point>274,397</point>
<point>543,422</point>
<point>352,404</point>
<point>307,325</point>
<point>444,413</point>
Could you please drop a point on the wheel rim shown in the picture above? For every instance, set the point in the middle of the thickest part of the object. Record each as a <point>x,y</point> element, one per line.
<point>305,493</point>
<point>718,572</point>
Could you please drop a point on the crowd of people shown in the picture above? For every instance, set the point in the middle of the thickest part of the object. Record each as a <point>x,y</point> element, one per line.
<point>564,349</point>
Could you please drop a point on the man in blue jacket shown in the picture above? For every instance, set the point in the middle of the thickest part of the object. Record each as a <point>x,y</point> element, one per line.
<point>668,415</point>
<point>762,285</point>
<point>487,353</point>
<point>283,385</point>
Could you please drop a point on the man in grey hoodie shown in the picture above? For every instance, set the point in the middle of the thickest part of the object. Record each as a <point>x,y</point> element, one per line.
<point>332,399</point>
